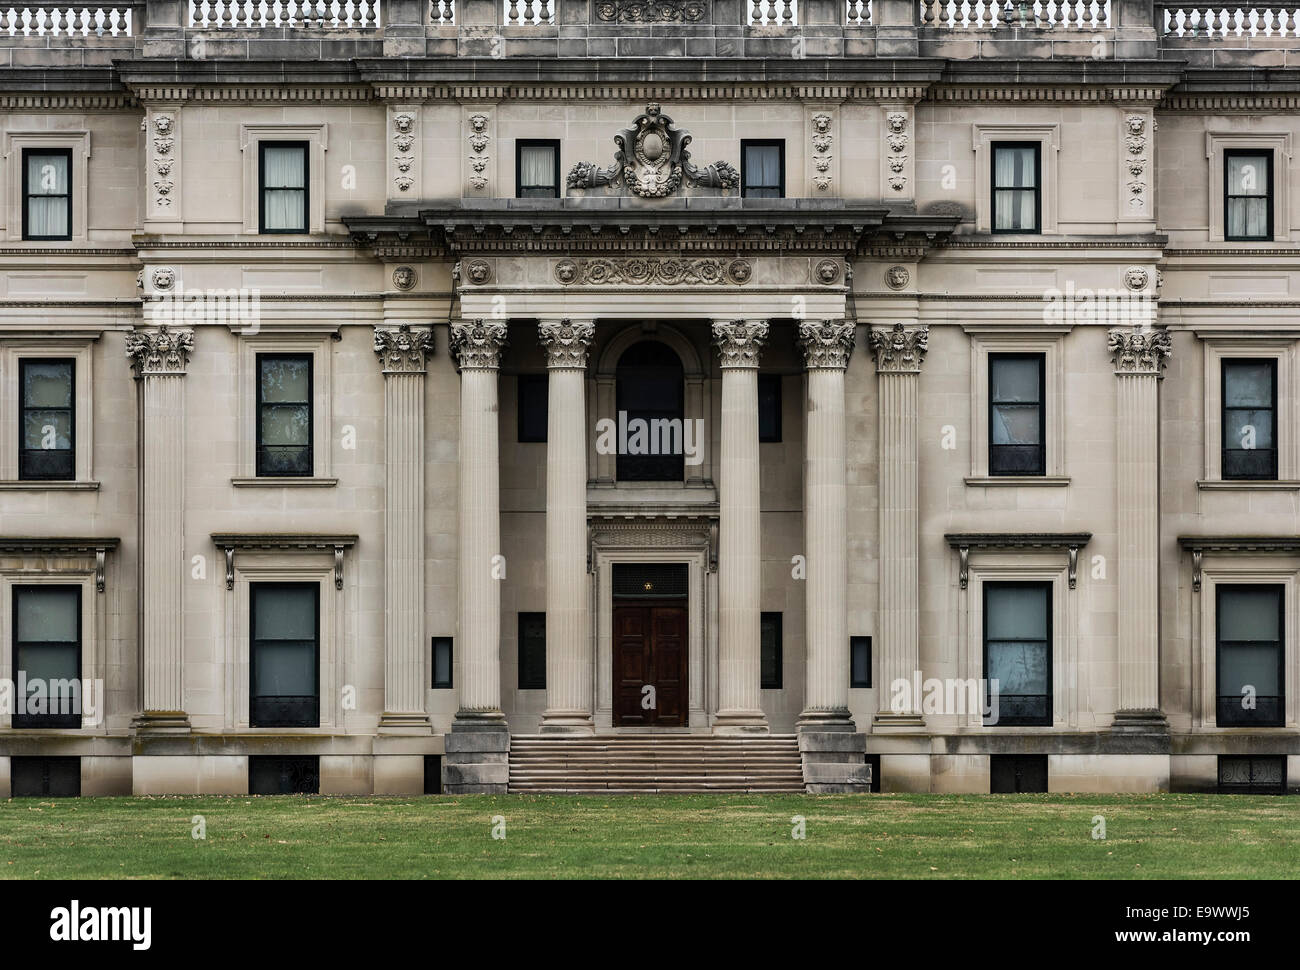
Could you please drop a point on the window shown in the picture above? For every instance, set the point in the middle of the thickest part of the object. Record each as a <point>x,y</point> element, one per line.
<point>47,420</point>
<point>284,672</point>
<point>1247,194</point>
<point>441,663</point>
<point>58,777</point>
<point>433,774</point>
<point>770,651</point>
<point>1017,653</point>
<point>282,186</point>
<point>47,193</point>
<point>1250,418</point>
<point>47,656</point>
<point>532,405</point>
<point>859,661</point>
<point>1017,417</point>
<point>1249,656</point>
<point>762,169</point>
<point>1017,192</point>
<point>1015,774</point>
<point>537,169</point>
<point>1252,774</point>
<point>769,407</point>
<point>279,775</point>
<point>284,432</point>
<point>532,651</point>
<point>650,392</point>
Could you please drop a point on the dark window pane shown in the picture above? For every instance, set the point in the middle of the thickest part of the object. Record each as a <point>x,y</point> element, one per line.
<point>770,651</point>
<point>649,400</point>
<point>1017,652</point>
<point>442,663</point>
<point>1250,419</point>
<point>533,407</point>
<point>433,774</point>
<point>769,407</point>
<point>1250,653</point>
<point>532,651</point>
<point>859,661</point>
<point>284,679</point>
<point>46,432</point>
<point>56,777</point>
<point>280,775</point>
<point>1011,774</point>
<point>284,415</point>
<point>47,656</point>
<point>1016,416</point>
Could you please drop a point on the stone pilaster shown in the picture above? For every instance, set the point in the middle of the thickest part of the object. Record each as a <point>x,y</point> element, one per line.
<point>477,749</point>
<point>1139,355</point>
<point>899,352</point>
<point>568,644</point>
<point>401,352</point>
<point>159,357</point>
<point>739,578</point>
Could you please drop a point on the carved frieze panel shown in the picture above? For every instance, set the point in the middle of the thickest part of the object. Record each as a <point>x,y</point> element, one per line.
<point>1137,128</point>
<point>822,142</point>
<point>651,11</point>
<point>653,271</point>
<point>478,141</point>
<point>403,133</point>
<point>162,144</point>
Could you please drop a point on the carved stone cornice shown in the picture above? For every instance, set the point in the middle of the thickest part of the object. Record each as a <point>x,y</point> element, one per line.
<point>827,344</point>
<point>566,343</point>
<point>964,542</point>
<point>1139,351</point>
<point>160,352</point>
<point>900,349</point>
<point>478,344</point>
<point>740,342</point>
<point>402,350</point>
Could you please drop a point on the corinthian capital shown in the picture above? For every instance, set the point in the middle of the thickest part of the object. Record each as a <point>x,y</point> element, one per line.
<point>740,341</point>
<point>900,349</point>
<point>827,344</point>
<point>160,351</point>
<point>566,342</point>
<point>477,344</point>
<point>402,350</point>
<point>1139,351</point>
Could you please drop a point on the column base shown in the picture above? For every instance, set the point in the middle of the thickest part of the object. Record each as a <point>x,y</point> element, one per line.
<point>477,761</point>
<point>908,722</point>
<point>412,723</point>
<point>838,720</point>
<point>741,722</point>
<point>1140,722</point>
<point>161,722</point>
<point>834,758</point>
<point>567,722</point>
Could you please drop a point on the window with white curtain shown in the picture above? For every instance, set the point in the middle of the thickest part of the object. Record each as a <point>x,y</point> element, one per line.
<point>47,193</point>
<point>538,169</point>
<point>762,169</point>
<point>1017,188</point>
<point>282,184</point>
<point>1248,194</point>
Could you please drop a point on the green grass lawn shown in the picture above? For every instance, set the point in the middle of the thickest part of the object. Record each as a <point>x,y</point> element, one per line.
<point>696,836</point>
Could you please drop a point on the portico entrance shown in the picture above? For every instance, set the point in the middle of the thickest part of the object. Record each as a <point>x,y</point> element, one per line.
<point>650,652</point>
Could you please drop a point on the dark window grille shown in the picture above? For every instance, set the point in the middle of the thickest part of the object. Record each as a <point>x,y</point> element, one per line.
<point>762,168</point>
<point>284,673</point>
<point>1252,774</point>
<point>1017,774</point>
<point>1017,416</point>
<point>1249,626</point>
<point>284,415</point>
<point>650,580</point>
<point>533,406</point>
<point>771,649</point>
<point>1250,418</point>
<point>57,777</point>
<point>47,648</point>
<point>859,661</point>
<point>1247,195</point>
<point>537,169</point>
<point>47,420</point>
<point>282,186</point>
<point>769,407</point>
<point>1017,187</point>
<point>651,387</point>
<point>442,666</point>
<point>47,193</point>
<point>1018,652</point>
<point>433,774</point>
<point>283,775</point>
<point>532,651</point>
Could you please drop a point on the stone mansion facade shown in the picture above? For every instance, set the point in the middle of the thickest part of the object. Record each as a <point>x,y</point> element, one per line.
<point>405,396</point>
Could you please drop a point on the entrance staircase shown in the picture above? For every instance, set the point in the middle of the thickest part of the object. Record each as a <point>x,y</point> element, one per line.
<point>628,764</point>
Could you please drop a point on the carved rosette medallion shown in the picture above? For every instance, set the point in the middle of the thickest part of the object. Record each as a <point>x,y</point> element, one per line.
<point>160,352</point>
<point>566,343</point>
<point>740,342</point>
<point>897,277</point>
<point>900,349</point>
<point>827,344</point>
<point>1136,278</point>
<point>163,279</point>
<point>827,272</point>
<point>404,277</point>
<point>1139,351</point>
<point>478,344</point>
<point>478,272</point>
<point>402,350</point>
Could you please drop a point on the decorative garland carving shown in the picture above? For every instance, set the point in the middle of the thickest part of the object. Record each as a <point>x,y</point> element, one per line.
<point>827,344</point>
<point>896,137</point>
<point>650,11</point>
<point>1135,138</point>
<point>652,271</point>
<point>900,349</point>
<point>478,344</point>
<point>402,350</point>
<point>478,142</point>
<point>566,343</point>
<point>404,148</point>
<point>740,341</point>
<point>162,351</point>
<point>1139,351</point>
<point>821,145</point>
<point>164,140</point>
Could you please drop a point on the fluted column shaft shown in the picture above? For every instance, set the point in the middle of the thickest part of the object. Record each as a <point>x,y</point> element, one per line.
<point>899,353</point>
<point>740,529</point>
<point>568,644</point>
<point>826,346</point>
<point>478,346</point>
<point>402,353</point>
<point>160,357</point>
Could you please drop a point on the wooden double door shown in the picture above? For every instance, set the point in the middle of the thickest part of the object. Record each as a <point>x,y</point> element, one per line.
<point>650,658</point>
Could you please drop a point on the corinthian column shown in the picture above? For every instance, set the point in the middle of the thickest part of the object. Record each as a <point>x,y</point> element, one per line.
<point>826,348</point>
<point>476,760</point>
<point>401,353</point>
<point>159,357</point>
<point>899,352</point>
<point>739,578</point>
<point>568,646</point>
<point>1139,356</point>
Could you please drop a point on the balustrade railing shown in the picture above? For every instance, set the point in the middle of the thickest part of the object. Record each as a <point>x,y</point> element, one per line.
<point>1212,20</point>
<point>66,21</point>
<point>773,13</point>
<point>442,13</point>
<point>977,14</point>
<point>306,14</point>
<point>859,13</point>
<point>530,13</point>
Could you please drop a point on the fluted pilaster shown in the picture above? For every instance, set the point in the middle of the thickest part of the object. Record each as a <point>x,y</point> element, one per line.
<point>739,555</point>
<point>568,645</point>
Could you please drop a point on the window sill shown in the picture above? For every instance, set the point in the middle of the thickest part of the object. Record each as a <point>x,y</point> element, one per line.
<point>1250,485</point>
<point>40,486</point>
<point>303,482</point>
<point>1054,481</point>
